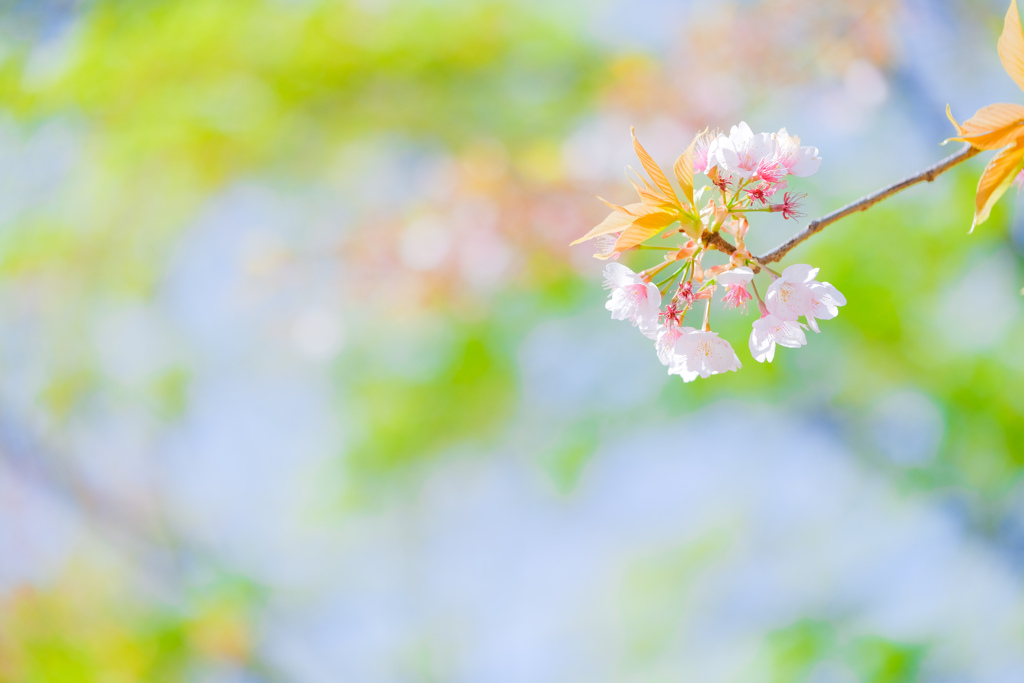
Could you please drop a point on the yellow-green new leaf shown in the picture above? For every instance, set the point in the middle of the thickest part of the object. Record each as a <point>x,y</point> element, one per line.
<point>652,169</point>
<point>643,229</point>
<point>995,180</point>
<point>683,169</point>
<point>1011,45</point>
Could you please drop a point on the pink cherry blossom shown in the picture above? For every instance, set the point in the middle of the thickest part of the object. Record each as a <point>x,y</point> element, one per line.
<point>765,156</point>
<point>632,299</point>
<point>735,283</point>
<point>796,293</point>
<point>799,160</point>
<point>742,153</point>
<point>770,330</point>
<point>700,152</point>
<point>702,353</point>
<point>665,345</point>
<point>605,245</point>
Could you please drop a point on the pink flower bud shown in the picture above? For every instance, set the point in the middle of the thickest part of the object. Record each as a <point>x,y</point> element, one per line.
<point>686,292</point>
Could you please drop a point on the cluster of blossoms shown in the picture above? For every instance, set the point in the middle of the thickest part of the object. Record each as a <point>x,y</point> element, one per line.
<point>747,171</point>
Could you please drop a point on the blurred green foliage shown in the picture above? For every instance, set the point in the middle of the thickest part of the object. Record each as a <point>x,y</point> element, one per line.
<point>71,635</point>
<point>795,650</point>
<point>219,89</point>
<point>402,420</point>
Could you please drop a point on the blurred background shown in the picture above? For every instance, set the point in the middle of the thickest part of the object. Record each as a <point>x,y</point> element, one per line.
<point>300,380</point>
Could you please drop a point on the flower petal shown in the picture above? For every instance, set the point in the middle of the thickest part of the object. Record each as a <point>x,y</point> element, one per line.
<point>761,345</point>
<point>808,164</point>
<point>799,272</point>
<point>737,276</point>
<point>618,275</point>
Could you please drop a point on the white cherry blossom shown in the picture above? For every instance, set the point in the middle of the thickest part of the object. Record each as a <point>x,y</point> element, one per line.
<point>800,161</point>
<point>771,330</point>
<point>742,152</point>
<point>702,354</point>
<point>632,299</point>
<point>796,293</point>
<point>666,343</point>
<point>700,152</point>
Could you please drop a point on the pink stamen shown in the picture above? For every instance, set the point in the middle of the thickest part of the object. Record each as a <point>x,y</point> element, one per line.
<point>789,207</point>
<point>736,296</point>
<point>672,314</point>
<point>770,170</point>
<point>758,193</point>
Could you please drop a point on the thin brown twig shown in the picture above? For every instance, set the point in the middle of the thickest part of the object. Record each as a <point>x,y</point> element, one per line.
<point>716,241</point>
<point>929,174</point>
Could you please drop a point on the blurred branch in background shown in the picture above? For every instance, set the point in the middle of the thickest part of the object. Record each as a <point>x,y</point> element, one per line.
<point>150,546</point>
<point>163,558</point>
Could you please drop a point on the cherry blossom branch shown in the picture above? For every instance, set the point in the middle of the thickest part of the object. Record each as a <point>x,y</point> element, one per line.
<point>864,203</point>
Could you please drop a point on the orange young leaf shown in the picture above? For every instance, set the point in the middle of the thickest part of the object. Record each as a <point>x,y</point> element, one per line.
<point>641,179</point>
<point>620,209</point>
<point>651,197</point>
<point>643,228</point>
<point>652,169</point>
<point>959,128</point>
<point>995,180</point>
<point>618,220</point>
<point>1011,45</point>
<point>992,127</point>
